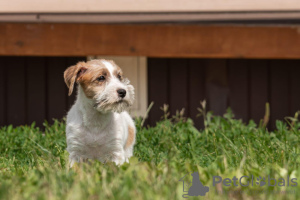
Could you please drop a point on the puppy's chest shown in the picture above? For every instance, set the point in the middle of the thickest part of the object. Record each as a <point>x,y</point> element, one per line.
<point>100,138</point>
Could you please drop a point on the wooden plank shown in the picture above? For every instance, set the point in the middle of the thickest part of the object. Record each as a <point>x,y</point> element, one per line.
<point>164,40</point>
<point>56,88</point>
<point>259,88</point>
<point>16,95</point>
<point>178,90</point>
<point>3,75</point>
<point>216,86</point>
<point>279,102</point>
<point>92,6</point>
<point>239,88</point>
<point>158,76</point>
<point>294,86</point>
<point>196,89</point>
<point>36,90</point>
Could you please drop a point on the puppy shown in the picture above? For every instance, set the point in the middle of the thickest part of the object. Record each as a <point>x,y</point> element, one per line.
<point>98,126</point>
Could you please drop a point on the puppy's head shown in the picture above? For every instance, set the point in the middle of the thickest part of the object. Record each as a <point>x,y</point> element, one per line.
<point>102,81</point>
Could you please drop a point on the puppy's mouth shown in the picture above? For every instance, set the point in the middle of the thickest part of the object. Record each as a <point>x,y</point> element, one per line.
<point>104,103</point>
<point>120,100</point>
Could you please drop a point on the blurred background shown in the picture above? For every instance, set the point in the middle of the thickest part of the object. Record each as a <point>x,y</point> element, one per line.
<point>237,54</point>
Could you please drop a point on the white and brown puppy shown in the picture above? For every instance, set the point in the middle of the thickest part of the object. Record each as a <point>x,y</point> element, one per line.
<point>98,126</point>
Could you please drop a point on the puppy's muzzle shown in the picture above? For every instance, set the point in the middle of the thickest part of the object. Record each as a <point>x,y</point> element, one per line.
<point>121,93</point>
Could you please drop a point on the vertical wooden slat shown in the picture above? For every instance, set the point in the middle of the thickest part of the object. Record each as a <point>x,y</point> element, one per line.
<point>295,86</point>
<point>216,85</point>
<point>16,87</point>
<point>258,88</point>
<point>3,75</point>
<point>157,87</point>
<point>56,88</point>
<point>36,90</point>
<point>178,85</point>
<point>279,102</point>
<point>196,89</point>
<point>238,86</point>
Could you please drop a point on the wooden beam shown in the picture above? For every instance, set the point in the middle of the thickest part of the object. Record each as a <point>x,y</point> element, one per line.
<point>229,17</point>
<point>194,41</point>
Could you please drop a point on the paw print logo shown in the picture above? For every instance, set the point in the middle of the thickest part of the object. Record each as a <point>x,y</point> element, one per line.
<point>197,188</point>
<point>260,181</point>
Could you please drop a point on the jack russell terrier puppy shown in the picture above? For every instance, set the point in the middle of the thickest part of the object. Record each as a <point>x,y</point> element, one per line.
<point>98,126</point>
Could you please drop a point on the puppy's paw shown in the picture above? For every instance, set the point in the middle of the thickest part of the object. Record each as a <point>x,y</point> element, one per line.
<point>119,160</point>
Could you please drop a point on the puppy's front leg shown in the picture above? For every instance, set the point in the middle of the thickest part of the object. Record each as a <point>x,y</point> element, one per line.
<point>119,156</point>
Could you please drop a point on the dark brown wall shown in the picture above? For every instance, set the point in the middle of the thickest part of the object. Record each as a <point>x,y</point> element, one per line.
<point>33,89</point>
<point>244,85</point>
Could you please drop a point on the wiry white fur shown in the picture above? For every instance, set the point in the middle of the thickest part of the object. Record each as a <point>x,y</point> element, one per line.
<point>96,131</point>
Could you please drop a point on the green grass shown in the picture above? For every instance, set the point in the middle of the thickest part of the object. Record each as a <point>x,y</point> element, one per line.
<point>33,163</point>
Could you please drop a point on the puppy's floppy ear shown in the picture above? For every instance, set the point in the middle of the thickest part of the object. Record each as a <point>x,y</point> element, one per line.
<point>72,74</point>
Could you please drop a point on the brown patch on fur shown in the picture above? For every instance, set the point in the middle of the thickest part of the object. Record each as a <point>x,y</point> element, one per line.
<point>89,82</point>
<point>118,72</point>
<point>130,138</point>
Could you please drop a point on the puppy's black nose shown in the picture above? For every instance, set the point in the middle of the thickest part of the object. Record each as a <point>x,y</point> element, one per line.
<point>121,92</point>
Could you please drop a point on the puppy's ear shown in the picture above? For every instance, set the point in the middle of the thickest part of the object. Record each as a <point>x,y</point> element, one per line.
<point>72,74</point>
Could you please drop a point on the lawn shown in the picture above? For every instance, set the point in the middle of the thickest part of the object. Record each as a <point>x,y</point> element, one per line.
<point>33,162</point>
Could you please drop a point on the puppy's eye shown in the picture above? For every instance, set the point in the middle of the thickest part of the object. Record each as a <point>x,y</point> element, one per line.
<point>119,76</point>
<point>101,78</point>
